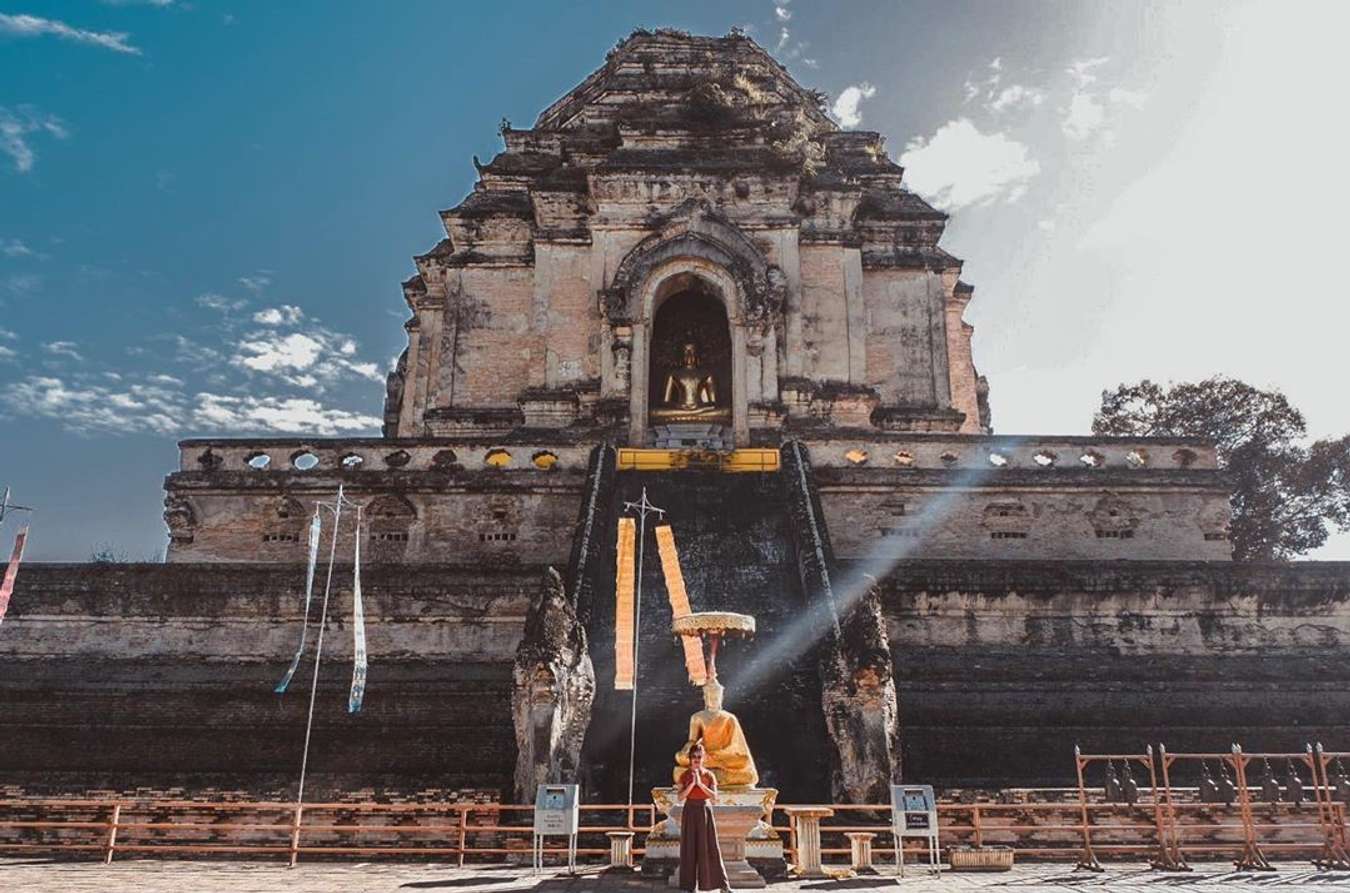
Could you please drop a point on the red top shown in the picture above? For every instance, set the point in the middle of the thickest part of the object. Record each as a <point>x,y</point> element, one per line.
<point>709,781</point>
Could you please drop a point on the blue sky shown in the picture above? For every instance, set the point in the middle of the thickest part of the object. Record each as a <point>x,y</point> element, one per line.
<point>206,208</point>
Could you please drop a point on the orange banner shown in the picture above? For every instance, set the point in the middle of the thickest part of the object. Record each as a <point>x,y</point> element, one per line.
<point>624,620</point>
<point>679,602</point>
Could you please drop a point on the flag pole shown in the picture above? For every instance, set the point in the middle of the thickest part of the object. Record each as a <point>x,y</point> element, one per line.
<point>6,506</point>
<point>643,508</point>
<point>314,684</point>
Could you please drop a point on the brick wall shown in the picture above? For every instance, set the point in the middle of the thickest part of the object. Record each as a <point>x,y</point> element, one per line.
<point>121,677</point>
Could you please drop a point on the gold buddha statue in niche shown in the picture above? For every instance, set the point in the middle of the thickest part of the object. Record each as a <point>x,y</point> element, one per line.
<point>727,754</point>
<point>690,391</point>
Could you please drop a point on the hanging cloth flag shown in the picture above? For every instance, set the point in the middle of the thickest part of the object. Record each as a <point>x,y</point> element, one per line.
<point>679,602</point>
<point>358,691</point>
<point>12,571</point>
<point>624,621</point>
<point>309,593</point>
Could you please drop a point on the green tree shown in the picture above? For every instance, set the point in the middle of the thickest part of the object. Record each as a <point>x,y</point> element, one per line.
<point>1285,490</point>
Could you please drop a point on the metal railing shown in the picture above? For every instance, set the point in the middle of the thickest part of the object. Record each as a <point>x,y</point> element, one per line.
<point>457,831</point>
<point>474,832</point>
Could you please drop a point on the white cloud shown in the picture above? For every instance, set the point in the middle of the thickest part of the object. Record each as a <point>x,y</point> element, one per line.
<point>160,3</point>
<point>285,315</point>
<point>97,408</point>
<point>7,334</point>
<point>23,283</point>
<point>1086,112</point>
<point>1083,116</point>
<point>1014,96</point>
<point>255,283</point>
<point>845,108</point>
<point>1081,70</point>
<point>1129,97</point>
<point>1046,225</point>
<point>17,125</point>
<point>8,354</point>
<point>278,354</point>
<point>960,166</point>
<point>367,370</point>
<point>15,248</point>
<point>289,415</point>
<point>36,26</point>
<point>63,349</point>
<point>989,85</point>
<point>781,12</point>
<point>314,358</point>
<point>220,303</point>
<point>191,353</point>
<point>159,405</point>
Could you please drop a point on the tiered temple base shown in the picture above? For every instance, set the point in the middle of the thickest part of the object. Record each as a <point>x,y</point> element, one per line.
<point>751,850</point>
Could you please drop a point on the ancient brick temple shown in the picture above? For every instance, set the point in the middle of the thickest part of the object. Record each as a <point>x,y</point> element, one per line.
<point>686,277</point>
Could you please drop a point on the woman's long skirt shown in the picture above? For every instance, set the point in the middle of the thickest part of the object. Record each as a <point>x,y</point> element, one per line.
<point>701,865</point>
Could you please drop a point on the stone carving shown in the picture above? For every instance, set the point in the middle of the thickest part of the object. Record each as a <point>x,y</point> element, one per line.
<point>862,710</point>
<point>858,692</point>
<point>614,304</point>
<point>289,508</point>
<point>553,687</point>
<point>394,384</point>
<point>209,460</point>
<point>180,519</point>
<point>397,459</point>
<point>1114,514</point>
<point>391,505</point>
<point>446,460</point>
<point>623,357</point>
<point>765,302</point>
<point>696,230</point>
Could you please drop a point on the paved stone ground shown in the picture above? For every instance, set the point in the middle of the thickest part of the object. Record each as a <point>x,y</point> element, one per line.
<point>160,876</point>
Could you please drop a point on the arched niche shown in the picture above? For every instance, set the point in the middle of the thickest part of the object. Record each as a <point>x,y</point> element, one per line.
<point>693,242</point>
<point>690,341</point>
<point>686,295</point>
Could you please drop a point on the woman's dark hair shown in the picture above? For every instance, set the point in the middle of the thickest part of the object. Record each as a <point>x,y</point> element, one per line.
<point>696,750</point>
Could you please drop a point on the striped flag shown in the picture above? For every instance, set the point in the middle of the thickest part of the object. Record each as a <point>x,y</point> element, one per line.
<point>309,594</point>
<point>12,571</point>
<point>358,691</point>
<point>679,602</point>
<point>624,621</point>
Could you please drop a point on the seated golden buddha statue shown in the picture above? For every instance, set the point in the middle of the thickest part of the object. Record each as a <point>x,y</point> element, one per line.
<point>726,752</point>
<point>690,391</point>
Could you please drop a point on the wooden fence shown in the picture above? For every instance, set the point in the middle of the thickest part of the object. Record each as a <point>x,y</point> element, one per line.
<point>1047,826</point>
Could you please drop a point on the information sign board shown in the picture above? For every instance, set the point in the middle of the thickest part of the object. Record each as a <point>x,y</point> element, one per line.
<point>557,811</point>
<point>914,814</point>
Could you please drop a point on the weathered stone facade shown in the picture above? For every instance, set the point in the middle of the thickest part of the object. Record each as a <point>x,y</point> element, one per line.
<point>696,167</point>
<point>121,676</point>
<point>929,595</point>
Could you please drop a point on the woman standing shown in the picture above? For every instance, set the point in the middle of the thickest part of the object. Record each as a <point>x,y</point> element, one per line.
<point>701,865</point>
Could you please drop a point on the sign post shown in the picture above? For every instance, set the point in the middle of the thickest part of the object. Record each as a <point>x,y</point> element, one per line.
<point>557,812</point>
<point>914,814</point>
